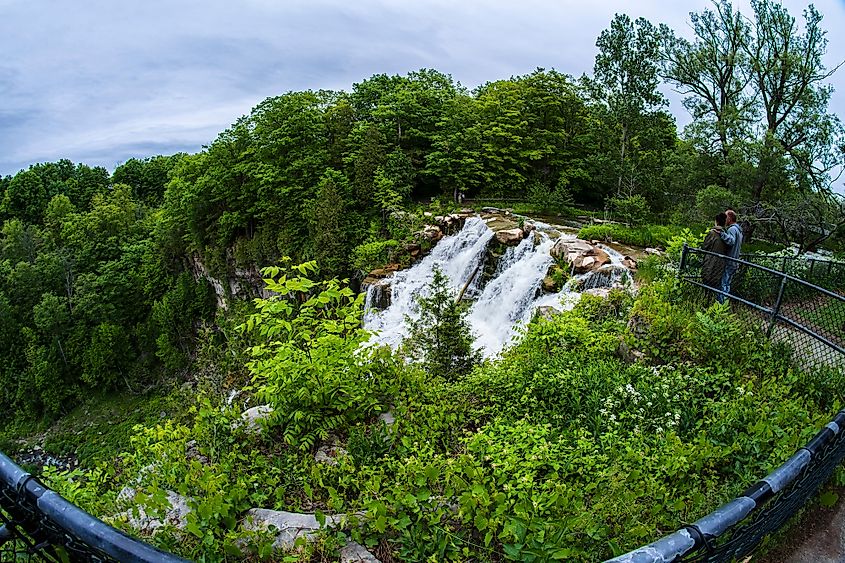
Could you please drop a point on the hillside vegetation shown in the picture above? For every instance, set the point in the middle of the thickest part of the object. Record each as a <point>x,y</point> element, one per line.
<point>130,291</point>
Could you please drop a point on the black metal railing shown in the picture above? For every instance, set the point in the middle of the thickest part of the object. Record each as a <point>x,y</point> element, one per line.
<point>37,524</point>
<point>811,320</point>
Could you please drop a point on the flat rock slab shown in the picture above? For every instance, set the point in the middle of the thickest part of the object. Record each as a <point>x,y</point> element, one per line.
<point>175,512</point>
<point>356,553</point>
<point>289,525</point>
<point>251,418</point>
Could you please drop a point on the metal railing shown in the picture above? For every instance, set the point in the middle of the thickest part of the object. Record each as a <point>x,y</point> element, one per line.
<point>811,320</point>
<point>829,274</point>
<point>37,524</point>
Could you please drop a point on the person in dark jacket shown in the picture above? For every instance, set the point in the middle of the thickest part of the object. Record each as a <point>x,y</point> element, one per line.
<point>732,236</point>
<point>713,267</point>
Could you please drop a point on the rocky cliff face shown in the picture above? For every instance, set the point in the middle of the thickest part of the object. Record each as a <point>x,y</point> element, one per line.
<point>240,284</point>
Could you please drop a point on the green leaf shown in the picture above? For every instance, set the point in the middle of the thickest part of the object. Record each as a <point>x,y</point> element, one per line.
<point>828,499</point>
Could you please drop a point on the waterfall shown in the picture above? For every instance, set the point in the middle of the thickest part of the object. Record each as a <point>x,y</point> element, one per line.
<point>507,301</point>
<point>457,256</point>
<point>509,297</point>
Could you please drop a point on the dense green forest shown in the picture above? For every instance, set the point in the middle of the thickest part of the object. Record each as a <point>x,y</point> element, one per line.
<point>104,289</point>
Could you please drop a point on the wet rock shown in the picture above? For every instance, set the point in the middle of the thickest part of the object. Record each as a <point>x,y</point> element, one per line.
<point>581,255</point>
<point>528,228</point>
<point>629,263</point>
<point>510,237</point>
<point>356,553</point>
<point>382,294</point>
<point>653,251</point>
<point>432,233</point>
<point>549,284</point>
<point>288,525</point>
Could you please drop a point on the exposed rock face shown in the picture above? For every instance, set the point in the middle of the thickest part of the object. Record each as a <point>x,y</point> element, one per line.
<point>192,452</point>
<point>387,418</point>
<point>629,263</point>
<point>653,251</point>
<point>239,284</point>
<point>546,312</point>
<point>432,233</point>
<point>549,284</point>
<point>451,224</point>
<point>382,292</point>
<point>356,553</point>
<point>175,512</point>
<point>380,279</point>
<point>251,418</point>
<point>528,228</point>
<point>328,454</point>
<point>290,525</point>
<point>510,237</point>
<point>583,256</point>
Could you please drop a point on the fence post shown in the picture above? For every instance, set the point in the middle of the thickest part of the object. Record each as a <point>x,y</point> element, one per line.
<point>683,264</point>
<point>776,309</point>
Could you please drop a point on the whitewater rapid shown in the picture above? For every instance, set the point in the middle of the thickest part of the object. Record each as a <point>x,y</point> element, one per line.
<point>505,303</point>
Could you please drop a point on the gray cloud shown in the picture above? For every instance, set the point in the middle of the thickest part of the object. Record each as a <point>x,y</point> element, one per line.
<point>100,82</point>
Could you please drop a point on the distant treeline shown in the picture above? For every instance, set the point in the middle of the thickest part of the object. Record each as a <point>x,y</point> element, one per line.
<point>94,288</point>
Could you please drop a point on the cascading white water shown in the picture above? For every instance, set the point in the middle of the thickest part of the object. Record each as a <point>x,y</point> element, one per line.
<point>507,301</point>
<point>509,297</point>
<point>457,256</point>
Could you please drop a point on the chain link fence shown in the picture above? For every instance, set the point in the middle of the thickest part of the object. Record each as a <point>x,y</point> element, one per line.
<point>37,524</point>
<point>810,320</point>
<point>828,274</point>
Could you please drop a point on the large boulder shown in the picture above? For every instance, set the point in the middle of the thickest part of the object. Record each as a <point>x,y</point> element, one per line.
<point>431,233</point>
<point>288,526</point>
<point>356,553</point>
<point>582,256</point>
<point>510,237</point>
<point>251,418</point>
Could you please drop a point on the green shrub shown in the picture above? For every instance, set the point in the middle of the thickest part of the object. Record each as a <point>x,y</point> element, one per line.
<point>371,255</point>
<point>644,235</point>
<point>310,366</point>
<point>634,209</point>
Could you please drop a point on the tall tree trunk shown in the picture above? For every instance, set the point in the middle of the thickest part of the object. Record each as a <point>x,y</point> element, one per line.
<point>622,150</point>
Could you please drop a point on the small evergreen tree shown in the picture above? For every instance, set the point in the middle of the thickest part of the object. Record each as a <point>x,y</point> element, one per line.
<point>441,337</point>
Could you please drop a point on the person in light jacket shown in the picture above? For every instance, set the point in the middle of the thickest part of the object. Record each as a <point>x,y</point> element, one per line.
<point>732,236</point>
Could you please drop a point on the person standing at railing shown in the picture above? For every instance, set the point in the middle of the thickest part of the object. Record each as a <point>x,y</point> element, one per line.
<point>713,267</point>
<point>732,236</point>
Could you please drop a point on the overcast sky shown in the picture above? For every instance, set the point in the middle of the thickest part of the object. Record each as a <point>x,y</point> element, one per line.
<point>101,82</point>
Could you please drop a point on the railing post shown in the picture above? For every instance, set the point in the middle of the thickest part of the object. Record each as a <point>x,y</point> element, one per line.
<point>776,309</point>
<point>683,264</point>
